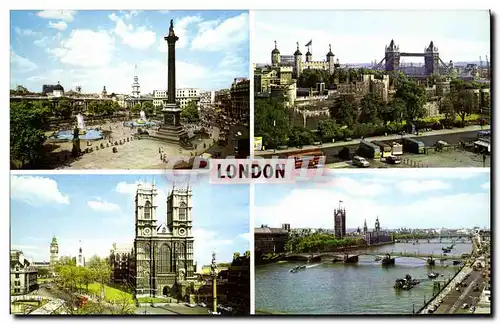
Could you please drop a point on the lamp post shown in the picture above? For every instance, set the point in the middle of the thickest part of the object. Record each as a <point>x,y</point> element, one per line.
<point>214,282</point>
<point>274,133</point>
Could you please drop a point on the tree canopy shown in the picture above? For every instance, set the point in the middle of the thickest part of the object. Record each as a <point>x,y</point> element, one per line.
<point>272,121</point>
<point>190,112</point>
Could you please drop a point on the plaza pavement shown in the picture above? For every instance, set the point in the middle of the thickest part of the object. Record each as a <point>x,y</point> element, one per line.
<point>135,154</point>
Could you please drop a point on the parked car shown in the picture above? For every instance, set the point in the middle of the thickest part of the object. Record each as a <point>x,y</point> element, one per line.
<point>360,162</point>
<point>393,159</point>
<point>202,304</point>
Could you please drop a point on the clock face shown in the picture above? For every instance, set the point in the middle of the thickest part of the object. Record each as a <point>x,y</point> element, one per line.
<point>182,231</point>
<point>147,231</point>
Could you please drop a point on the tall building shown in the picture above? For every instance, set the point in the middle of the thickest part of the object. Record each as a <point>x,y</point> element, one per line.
<point>182,96</point>
<point>270,240</point>
<point>54,254</point>
<point>80,261</point>
<point>120,260</point>
<point>163,253</point>
<point>136,87</point>
<point>23,275</point>
<point>340,224</point>
<point>240,99</point>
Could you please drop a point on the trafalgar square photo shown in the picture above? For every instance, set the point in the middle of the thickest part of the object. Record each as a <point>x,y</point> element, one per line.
<point>128,244</point>
<point>158,88</point>
<point>375,243</point>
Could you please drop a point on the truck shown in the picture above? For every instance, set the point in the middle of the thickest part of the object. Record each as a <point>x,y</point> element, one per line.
<point>369,150</point>
<point>413,146</point>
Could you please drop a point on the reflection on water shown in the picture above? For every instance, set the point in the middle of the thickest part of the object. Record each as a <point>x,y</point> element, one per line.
<point>362,288</point>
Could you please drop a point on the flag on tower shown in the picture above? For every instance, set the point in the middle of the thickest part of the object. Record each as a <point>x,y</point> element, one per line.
<point>310,43</point>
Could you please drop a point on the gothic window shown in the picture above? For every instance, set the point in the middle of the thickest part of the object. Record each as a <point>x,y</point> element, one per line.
<point>164,259</point>
<point>182,211</point>
<point>147,210</point>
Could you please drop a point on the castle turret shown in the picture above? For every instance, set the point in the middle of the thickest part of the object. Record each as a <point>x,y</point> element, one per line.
<point>275,56</point>
<point>330,59</point>
<point>309,55</point>
<point>297,67</point>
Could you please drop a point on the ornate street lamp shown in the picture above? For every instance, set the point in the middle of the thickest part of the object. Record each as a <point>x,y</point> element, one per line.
<point>213,273</point>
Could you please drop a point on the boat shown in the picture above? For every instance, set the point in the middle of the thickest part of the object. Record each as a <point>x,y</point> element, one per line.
<point>406,283</point>
<point>378,258</point>
<point>456,262</point>
<point>433,275</point>
<point>297,268</point>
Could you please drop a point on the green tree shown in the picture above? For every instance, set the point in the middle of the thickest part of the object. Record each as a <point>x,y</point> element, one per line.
<point>344,110</point>
<point>392,111</point>
<point>148,108</point>
<point>300,136</point>
<point>414,97</point>
<point>369,108</point>
<point>28,120</point>
<point>136,109</point>
<point>464,103</point>
<point>328,130</point>
<point>272,121</point>
<point>62,108</point>
<point>190,112</point>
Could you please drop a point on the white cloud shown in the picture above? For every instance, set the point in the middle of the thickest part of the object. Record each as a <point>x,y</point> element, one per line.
<point>352,45</point>
<point>21,64</point>
<point>486,185</point>
<point>75,50</point>
<point>65,15</point>
<point>60,25</point>
<point>207,242</point>
<point>37,191</point>
<point>130,14</point>
<point>181,31</point>
<point>103,206</point>
<point>26,32</point>
<point>358,188</point>
<point>138,37</point>
<point>415,186</point>
<point>245,236</point>
<point>315,207</point>
<point>126,188</point>
<point>225,35</point>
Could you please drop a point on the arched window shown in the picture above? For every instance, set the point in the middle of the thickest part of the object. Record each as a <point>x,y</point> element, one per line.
<point>165,257</point>
<point>182,211</point>
<point>147,210</point>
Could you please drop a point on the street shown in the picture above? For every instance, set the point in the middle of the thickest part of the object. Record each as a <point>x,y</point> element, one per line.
<point>453,302</point>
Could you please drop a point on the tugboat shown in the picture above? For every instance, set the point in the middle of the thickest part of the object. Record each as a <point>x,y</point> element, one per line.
<point>297,268</point>
<point>446,250</point>
<point>456,262</point>
<point>433,275</point>
<point>406,283</point>
<point>378,258</point>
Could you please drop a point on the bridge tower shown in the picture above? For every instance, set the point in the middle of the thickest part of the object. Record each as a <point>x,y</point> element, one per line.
<point>297,62</point>
<point>275,56</point>
<point>431,57</point>
<point>392,57</point>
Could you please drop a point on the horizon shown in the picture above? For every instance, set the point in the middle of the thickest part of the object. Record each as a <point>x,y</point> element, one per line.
<point>360,36</point>
<point>98,210</point>
<point>52,46</point>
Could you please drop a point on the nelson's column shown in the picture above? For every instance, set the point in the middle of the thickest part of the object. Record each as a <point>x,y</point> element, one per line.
<point>172,131</point>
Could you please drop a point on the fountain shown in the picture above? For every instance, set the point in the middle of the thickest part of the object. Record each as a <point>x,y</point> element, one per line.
<point>84,134</point>
<point>142,121</point>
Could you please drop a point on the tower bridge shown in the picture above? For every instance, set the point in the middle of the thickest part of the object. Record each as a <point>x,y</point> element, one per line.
<point>433,64</point>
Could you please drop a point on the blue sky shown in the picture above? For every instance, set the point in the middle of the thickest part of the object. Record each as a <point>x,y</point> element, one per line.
<point>416,198</point>
<point>100,48</point>
<point>359,36</point>
<point>99,210</point>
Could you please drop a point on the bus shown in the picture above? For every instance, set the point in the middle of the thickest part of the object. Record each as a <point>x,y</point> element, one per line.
<point>413,146</point>
<point>314,158</point>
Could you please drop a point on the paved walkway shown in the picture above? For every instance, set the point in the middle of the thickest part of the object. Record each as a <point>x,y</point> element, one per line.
<point>378,138</point>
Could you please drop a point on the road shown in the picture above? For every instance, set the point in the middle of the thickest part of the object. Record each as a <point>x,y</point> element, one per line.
<point>171,309</point>
<point>331,150</point>
<point>232,143</point>
<point>453,302</point>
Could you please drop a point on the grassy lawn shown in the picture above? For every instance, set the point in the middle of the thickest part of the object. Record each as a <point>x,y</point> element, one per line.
<point>110,293</point>
<point>151,300</point>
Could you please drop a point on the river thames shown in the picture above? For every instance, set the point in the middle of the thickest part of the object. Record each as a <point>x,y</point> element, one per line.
<point>362,288</point>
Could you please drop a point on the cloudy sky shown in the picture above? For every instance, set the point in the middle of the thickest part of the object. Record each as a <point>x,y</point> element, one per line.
<point>416,198</point>
<point>99,210</point>
<point>100,48</point>
<point>361,36</point>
